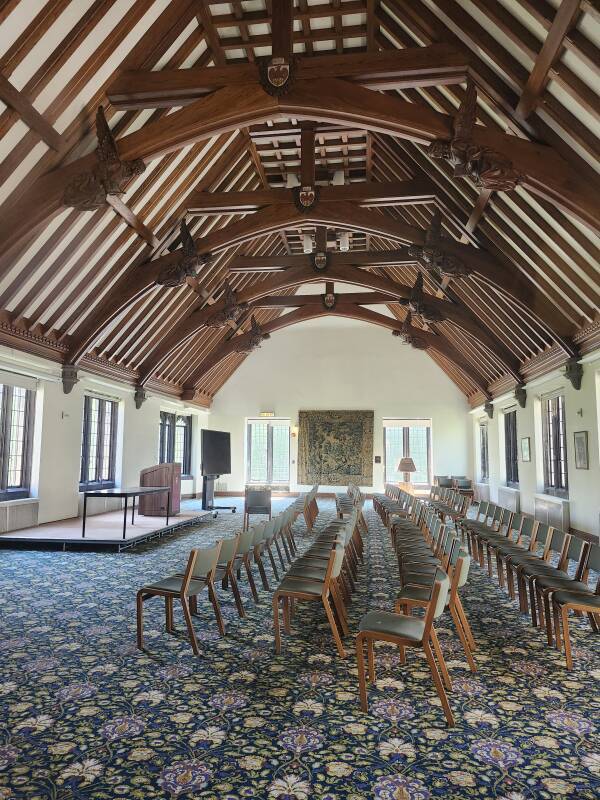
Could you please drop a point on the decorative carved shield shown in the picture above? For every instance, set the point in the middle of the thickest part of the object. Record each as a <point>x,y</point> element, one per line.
<point>320,261</point>
<point>305,197</point>
<point>329,300</point>
<point>276,75</point>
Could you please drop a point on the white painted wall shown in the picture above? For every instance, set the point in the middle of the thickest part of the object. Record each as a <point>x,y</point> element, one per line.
<point>58,431</point>
<point>334,364</point>
<point>582,414</point>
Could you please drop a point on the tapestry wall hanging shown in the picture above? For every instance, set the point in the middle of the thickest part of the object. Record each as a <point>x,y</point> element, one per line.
<point>335,448</point>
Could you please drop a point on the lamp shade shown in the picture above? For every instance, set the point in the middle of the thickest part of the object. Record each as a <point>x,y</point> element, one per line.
<point>406,465</point>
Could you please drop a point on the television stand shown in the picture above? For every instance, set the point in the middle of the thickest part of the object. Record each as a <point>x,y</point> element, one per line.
<point>208,495</point>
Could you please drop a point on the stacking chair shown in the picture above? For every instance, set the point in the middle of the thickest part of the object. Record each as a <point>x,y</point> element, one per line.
<point>306,589</point>
<point>256,501</point>
<point>416,595</point>
<point>406,631</point>
<point>529,566</point>
<point>225,571</point>
<point>242,558</point>
<point>579,598</point>
<point>199,575</point>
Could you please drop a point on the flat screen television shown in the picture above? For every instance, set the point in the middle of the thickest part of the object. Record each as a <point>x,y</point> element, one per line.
<point>216,452</point>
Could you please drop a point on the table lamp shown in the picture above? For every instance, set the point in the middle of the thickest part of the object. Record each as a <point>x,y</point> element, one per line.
<point>406,465</point>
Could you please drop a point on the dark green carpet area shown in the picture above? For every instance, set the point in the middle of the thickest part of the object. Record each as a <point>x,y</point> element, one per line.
<point>85,716</point>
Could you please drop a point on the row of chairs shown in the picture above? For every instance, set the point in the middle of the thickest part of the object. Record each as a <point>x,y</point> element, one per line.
<point>325,573</point>
<point>433,566</point>
<point>551,568</point>
<point>224,562</point>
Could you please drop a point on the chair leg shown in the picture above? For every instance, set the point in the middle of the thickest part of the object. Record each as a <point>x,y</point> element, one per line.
<point>250,578</point>
<point>566,636</point>
<point>438,684</point>
<point>236,595</point>
<point>371,660</point>
<point>262,573</point>
<point>441,660</point>
<point>190,625</point>
<point>272,560</point>
<point>340,610</point>
<point>362,681</point>
<point>287,614</point>
<point>217,608</point>
<point>276,629</point>
<point>334,630</point>
<point>465,623</point>
<point>463,638</point>
<point>169,614</point>
<point>279,554</point>
<point>140,620</point>
<point>593,621</point>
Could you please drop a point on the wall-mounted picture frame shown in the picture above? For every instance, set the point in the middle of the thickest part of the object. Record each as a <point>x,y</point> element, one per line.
<point>582,458</point>
<point>526,448</point>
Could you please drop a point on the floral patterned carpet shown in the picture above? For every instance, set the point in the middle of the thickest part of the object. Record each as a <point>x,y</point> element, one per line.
<point>84,715</point>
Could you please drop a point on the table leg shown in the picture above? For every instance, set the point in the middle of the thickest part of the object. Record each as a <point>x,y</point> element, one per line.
<point>84,514</point>
<point>125,517</point>
<point>168,504</point>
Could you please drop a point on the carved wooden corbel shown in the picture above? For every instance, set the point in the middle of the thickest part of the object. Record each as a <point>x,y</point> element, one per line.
<point>69,377</point>
<point>231,312</point>
<point>257,336</point>
<point>418,307</point>
<point>187,266</point>
<point>139,397</point>
<point>521,396</point>
<point>432,255</point>
<point>574,373</point>
<point>329,300</point>
<point>488,168</point>
<point>489,409</point>
<point>410,335</point>
<point>89,190</point>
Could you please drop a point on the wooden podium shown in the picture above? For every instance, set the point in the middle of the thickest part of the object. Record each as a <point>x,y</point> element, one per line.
<point>155,505</point>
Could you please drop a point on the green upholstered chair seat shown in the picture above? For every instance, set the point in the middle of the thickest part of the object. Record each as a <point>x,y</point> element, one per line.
<point>560,580</point>
<point>419,593</point>
<point>173,584</point>
<point>587,598</point>
<point>388,624</point>
<point>314,573</point>
<point>303,586</point>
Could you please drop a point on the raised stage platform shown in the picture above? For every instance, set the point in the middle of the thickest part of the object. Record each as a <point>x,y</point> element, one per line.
<point>103,531</point>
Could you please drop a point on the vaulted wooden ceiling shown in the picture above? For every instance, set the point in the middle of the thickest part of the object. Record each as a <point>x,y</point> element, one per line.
<point>372,85</point>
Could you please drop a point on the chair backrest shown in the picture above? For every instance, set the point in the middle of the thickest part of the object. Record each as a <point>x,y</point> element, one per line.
<point>461,574</point>
<point>204,562</point>
<point>491,511</point>
<point>505,520</point>
<point>593,558</point>
<point>437,600</point>
<point>528,529</point>
<point>541,538</point>
<point>246,542</point>
<point>557,544</point>
<point>257,501</point>
<point>515,526</point>
<point>482,510</point>
<point>228,549</point>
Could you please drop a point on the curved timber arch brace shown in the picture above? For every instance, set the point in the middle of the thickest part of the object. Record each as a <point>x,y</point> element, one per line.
<point>332,100</point>
<point>452,312</point>
<point>138,281</point>
<point>238,343</point>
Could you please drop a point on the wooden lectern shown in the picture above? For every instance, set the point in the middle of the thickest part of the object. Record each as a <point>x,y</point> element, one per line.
<point>155,505</point>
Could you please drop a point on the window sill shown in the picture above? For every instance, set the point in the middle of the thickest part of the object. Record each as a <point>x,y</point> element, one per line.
<point>95,487</point>
<point>552,498</point>
<point>512,488</point>
<point>19,501</point>
<point>187,477</point>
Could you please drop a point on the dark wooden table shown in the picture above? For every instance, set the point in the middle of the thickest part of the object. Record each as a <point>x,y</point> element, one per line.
<point>134,491</point>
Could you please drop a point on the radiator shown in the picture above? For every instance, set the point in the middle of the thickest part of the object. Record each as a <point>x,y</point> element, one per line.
<point>481,492</point>
<point>509,498</point>
<point>221,486</point>
<point>553,511</point>
<point>17,515</point>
